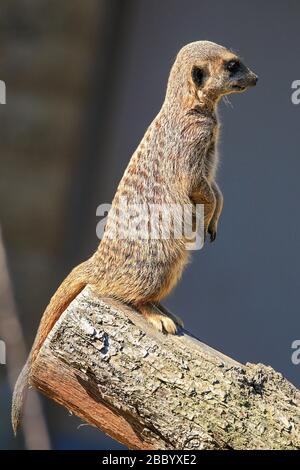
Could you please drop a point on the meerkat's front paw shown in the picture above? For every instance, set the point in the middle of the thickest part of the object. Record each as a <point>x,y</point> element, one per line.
<point>213,234</point>
<point>212,231</point>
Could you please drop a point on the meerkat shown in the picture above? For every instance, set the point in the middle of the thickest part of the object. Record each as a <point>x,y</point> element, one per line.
<point>175,162</point>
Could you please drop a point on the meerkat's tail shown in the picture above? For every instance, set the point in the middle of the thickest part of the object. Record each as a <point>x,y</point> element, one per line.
<point>67,291</point>
<point>19,397</point>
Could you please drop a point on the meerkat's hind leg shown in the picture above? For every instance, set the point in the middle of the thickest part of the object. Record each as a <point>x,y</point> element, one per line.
<point>167,312</point>
<point>158,319</point>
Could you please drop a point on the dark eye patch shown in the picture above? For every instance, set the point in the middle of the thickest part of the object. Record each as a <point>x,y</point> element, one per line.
<point>233,66</point>
<point>198,76</point>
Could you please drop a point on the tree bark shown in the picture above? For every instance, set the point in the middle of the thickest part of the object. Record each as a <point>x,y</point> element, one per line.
<point>148,390</point>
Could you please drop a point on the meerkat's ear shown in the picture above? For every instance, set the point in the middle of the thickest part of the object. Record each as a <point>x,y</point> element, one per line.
<point>198,75</point>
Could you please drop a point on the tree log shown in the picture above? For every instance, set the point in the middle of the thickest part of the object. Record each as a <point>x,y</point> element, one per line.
<point>148,390</point>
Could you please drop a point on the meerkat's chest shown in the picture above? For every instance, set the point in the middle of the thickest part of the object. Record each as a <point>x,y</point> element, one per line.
<point>211,159</point>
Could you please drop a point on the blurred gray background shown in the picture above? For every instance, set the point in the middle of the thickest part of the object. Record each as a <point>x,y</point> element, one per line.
<point>84,80</point>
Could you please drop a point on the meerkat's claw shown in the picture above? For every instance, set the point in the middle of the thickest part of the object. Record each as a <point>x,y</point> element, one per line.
<point>212,231</point>
<point>162,322</point>
<point>177,320</point>
<point>213,235</point>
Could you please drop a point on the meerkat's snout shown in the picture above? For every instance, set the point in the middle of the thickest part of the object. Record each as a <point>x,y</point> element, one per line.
<point>254,79</point>
<point>240,77</point>
<point>251,79</point>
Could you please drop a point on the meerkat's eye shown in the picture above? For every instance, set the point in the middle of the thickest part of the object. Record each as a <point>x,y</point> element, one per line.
<point>233,66</point>
<point>198,76</point>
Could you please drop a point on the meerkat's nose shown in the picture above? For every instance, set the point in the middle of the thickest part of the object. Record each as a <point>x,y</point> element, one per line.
<point>255,79</point>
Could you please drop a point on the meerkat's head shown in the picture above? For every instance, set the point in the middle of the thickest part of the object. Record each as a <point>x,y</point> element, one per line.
<point>204,72</point>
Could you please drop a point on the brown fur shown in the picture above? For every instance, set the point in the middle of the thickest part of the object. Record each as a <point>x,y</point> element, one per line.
<point>175,163</point>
